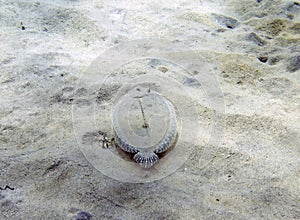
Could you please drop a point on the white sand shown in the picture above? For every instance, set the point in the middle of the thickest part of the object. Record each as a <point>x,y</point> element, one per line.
<point>253,47</point>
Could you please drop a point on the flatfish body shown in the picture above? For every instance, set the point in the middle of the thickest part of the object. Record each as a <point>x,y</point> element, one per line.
<point>144,124</point>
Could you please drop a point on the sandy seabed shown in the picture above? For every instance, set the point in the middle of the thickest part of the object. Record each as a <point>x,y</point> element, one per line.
<point>253,48</point>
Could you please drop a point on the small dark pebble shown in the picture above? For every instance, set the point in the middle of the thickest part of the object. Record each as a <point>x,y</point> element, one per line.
<point>256,39</point>
<point>195,72</point>
<point>274,60</point>
<point>83,216</point>
<point>22,26</point>
<point>263,59</point>
<point>269,37</point>
<point>293,64</point>
<point>228,22</point>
